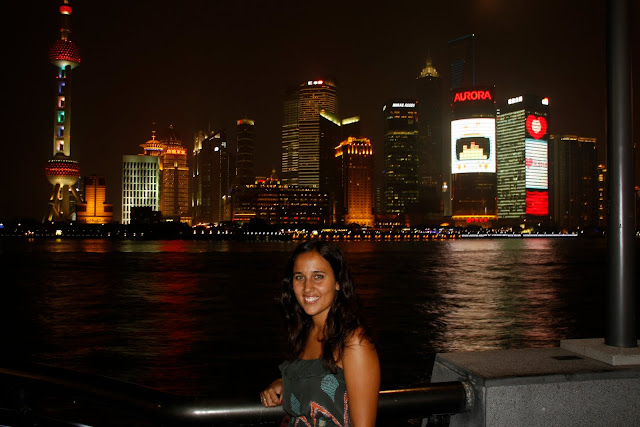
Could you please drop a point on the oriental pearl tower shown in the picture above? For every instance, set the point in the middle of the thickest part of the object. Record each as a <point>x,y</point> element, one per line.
<point>63,172</point>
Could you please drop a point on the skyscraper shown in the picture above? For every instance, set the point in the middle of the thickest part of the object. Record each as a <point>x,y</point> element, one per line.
<point>245,148</point>
<point>462,52</point>
<point>61,171</point>
<point>141,179</point>
<point>430,142</point>
<point>211,178</point>
<point>354,158</point>
<point>462,74</point>
<point>301,131</point>
<point>290,137</point>
<point>400,157</point>
<point>332,132</point>
<point>573,177</point>
<point>522,129</point>
<point>174,171</point>
<point>473,157</point>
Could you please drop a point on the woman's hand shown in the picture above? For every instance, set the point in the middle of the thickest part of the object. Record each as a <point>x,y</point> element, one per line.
<point>272,395</point>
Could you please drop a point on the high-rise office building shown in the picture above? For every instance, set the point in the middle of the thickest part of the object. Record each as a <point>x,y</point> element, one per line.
<point>301,131</point>
<point>400,157</point>
<point>354,159</point>
<point>462,74</point>
<point>332,132</point>
<point>573,177</point>
<point>94,210</point>
<point>430,142</point>
<point>141,179</point>
<point>62,172</point>
<point>522,131</point>
<point>462,53</point>
<point>211,178</point>
<point>473,157</point>
<point>290,137</point>
<point>245,149</point>
<point>174,172</point>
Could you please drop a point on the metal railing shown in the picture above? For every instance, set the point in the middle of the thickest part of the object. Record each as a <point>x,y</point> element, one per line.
<point>44,395</point>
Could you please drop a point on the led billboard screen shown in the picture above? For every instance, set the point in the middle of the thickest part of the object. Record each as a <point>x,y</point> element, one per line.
<point>536,164</point>
<point>537,202</point>
<point>473,145</point>
<point>536,174</point>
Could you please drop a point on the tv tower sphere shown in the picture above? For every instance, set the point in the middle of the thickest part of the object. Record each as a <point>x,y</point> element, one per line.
<point>64,52</point>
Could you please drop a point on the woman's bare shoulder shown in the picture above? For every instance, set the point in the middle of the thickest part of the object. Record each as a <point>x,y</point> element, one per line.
<point>359,339</point>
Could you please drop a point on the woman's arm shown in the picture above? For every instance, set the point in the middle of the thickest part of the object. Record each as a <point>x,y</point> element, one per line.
<point>272,395</point>
<point>362,375</point>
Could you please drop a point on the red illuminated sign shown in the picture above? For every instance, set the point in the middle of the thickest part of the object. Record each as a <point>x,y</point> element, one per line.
<point>536,126</point>
<point>176,151</point>
<point>537,203</point>
<point>472,95</point>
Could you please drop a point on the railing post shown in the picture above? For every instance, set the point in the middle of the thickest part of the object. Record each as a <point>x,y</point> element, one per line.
<point>621,299</point>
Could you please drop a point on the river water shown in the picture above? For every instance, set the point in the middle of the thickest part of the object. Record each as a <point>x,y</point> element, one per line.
<point>200,317</point>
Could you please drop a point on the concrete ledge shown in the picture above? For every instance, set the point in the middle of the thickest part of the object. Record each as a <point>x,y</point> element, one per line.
<point>542,387</point>
<point>595,348</point>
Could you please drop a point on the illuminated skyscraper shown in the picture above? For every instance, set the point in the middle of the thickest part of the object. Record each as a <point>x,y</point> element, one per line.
<point>574,181</point>
<point>211,178</point>
<point>290,137</point>
<point>522,129</point>
<point>301,131</point>
<point>354,158</point>
<point>94,210</point>
<point>473,157</point>
<point>332,132</point>
<point>245,148</point>
<point>63,172</point>
<point>430,142</point>
<point>174,172</point>
<point>141,179</point>
<point>400,157</point>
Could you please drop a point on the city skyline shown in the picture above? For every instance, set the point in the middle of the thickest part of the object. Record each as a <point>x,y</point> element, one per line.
<point>211,64</point>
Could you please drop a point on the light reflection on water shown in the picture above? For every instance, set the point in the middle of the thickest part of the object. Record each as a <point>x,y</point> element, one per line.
<point>201,317</point>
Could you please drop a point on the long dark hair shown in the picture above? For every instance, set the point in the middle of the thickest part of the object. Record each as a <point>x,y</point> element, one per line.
<point>343,319</point>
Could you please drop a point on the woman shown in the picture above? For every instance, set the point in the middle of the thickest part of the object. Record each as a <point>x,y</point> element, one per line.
<point>333,374</point>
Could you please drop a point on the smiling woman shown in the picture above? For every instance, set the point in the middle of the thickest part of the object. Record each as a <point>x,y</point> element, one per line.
<point>333,374</point>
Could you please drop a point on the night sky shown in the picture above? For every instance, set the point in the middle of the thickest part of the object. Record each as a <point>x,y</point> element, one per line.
<point>201,64</point>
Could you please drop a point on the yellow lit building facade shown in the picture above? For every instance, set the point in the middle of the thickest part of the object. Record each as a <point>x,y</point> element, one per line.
<point>174,172</point>
<point>94,210</point>
<point>354,158</point>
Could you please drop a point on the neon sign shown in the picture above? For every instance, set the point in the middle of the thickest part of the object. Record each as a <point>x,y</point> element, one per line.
<point>536,126</point>
<point>176,151</point>
<point>473,145</point>
<point>403,104</point>
<point>472,95</point>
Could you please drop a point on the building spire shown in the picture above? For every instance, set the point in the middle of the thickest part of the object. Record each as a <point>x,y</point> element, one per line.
<point>429,70</point>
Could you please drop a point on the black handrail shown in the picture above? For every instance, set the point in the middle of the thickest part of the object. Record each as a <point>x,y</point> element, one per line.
<point>26,393</point>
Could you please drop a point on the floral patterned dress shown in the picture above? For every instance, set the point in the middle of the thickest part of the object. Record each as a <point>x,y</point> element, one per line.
<point>313,395</point>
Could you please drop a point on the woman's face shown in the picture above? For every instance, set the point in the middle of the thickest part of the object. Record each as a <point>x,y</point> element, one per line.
<point>314,285</point>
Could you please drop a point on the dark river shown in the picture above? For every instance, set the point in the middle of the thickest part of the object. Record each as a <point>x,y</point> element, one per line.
<point>200,317</point>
